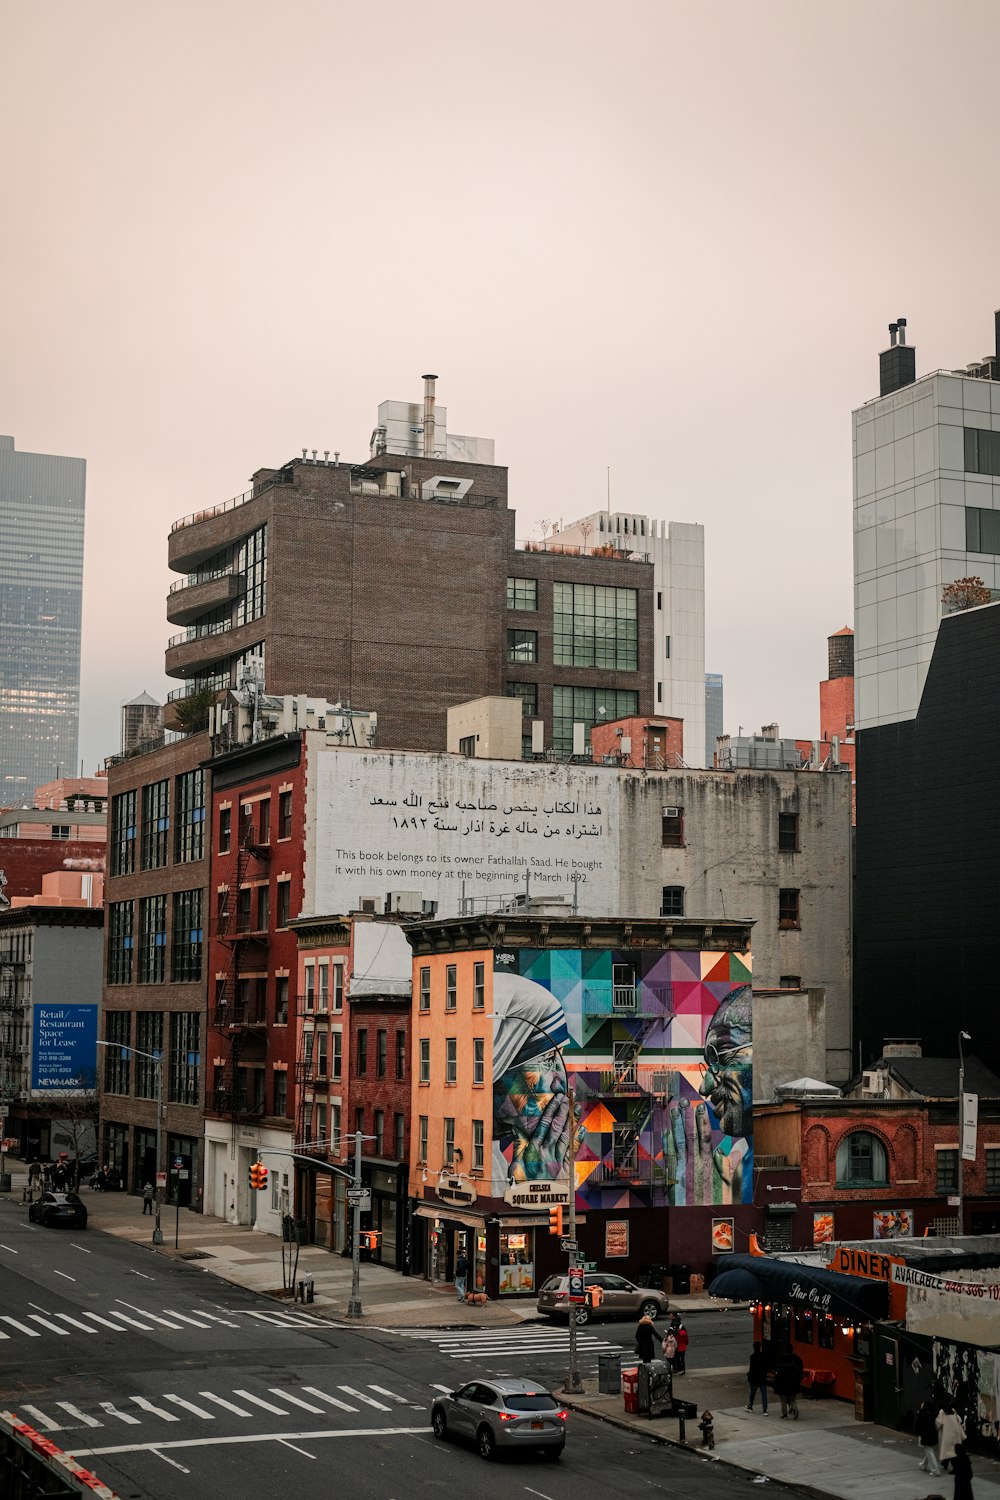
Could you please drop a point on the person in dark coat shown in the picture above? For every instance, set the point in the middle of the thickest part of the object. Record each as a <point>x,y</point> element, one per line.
<point>788,1382</point>
<point>757,1380</point>
<point>962,1469</point>
<point>925,1426</point>
<point>647,1340</point>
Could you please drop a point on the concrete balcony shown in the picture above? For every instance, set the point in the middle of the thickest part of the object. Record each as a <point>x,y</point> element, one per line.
<point>200,656</point>
<point>607,999</point>
<point>189,598</point>
<point>204,532</point>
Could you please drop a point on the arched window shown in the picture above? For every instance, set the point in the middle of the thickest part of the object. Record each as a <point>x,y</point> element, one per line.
<point>861,1161</point>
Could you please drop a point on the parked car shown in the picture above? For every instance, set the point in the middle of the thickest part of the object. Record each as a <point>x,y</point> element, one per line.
<point>622,1299</point>
<point>59,1208</point>
<point>497,1414</point>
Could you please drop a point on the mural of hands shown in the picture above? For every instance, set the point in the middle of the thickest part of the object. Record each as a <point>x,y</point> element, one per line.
<point>532,1108</point>
<point>697,1171</point>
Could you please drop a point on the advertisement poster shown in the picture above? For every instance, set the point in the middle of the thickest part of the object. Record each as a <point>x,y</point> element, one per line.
<point>615,1238</point>
<point>822,1229</point>
<point>723,1236</point>
<point>892,1224</point>
<point>63,1048</point>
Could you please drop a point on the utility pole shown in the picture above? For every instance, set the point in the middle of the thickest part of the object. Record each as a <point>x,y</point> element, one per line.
<point>354,1306</point>
<point>963,1036</point>
<point>157,1231</point>
<point>573,1385</point>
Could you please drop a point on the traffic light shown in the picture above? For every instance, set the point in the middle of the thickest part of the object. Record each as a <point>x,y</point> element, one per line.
<point>258,1176</point>
<point>555,1220</point>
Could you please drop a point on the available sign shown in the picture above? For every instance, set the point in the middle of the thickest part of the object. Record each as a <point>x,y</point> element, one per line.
<point>910,1276</point>
<point>64,1048</point>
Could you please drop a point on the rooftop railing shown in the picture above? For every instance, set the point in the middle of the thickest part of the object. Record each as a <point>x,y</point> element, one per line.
<point>283,476</point>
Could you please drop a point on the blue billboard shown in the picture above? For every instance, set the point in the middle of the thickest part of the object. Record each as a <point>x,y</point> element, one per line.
<point>64,1048</point>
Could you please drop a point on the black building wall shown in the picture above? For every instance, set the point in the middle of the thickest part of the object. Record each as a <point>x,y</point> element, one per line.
<point>927,928</point>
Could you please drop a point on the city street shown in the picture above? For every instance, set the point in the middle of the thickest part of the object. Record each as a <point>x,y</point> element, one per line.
<point>172,1383</point>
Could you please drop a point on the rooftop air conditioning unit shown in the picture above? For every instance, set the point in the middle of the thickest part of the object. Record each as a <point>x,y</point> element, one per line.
<point>367,905</point>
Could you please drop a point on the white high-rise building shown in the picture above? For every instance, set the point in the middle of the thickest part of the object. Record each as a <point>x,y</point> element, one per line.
<point>926,512</point>
<point>677,551</point>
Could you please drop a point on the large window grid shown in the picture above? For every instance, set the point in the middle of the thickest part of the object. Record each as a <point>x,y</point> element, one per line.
<point>522,645</point>
<point>522,593</point>
<point>152,939</point>
<point>184,1083</point>
<point>982,527</point>
<point>982,455</point>
<point>594,625</point>
<point>155,824</point>
<point>188,937</point>
<point>587,706</point>
<point>148,1039</point>
<point>251,562</point>
<point>190,816</point>
<point>121,919</point>
<point>123,833</point>
<point>117,1057</point>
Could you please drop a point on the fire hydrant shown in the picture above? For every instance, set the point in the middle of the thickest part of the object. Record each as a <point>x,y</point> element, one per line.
<point>707,1429</point>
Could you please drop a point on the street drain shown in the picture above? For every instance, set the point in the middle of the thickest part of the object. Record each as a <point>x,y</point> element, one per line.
<point>197,1255</point>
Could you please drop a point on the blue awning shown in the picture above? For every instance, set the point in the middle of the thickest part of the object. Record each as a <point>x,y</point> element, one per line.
<point>761,1278</point>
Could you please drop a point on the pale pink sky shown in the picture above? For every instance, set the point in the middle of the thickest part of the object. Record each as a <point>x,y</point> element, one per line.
<point>666,237</point>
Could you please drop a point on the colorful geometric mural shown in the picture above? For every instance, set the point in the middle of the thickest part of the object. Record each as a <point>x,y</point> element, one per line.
<point>659,1050</point>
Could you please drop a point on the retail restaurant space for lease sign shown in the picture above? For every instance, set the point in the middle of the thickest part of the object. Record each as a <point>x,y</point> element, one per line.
<point>437,828</point>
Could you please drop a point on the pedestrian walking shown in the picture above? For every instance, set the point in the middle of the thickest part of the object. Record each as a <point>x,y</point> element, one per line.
<point>681,1335</point>
<point>646,1338</point>
<point>757,1379</point>
<point>34,1175</point>
<point>963,1473</point>
<point>925,1426</point>
<point>950,1432</point>
<point>148,1194</point>
<point>102,1180</point>
<point>788,1382</point>
<point>461,1272</point>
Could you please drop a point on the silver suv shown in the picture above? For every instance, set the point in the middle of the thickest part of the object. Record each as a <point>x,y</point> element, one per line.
<point>622,1299</point>
<point>502,1414</point>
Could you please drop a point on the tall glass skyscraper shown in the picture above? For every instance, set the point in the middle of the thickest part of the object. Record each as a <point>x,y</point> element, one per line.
<point>41,586</point>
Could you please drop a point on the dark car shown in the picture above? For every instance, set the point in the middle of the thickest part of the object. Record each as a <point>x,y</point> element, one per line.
<point>59,1208</point>
<point>497,1414</point>
<point>622,1299</point>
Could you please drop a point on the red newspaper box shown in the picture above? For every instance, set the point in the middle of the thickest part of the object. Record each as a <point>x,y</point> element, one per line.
<point>630,1390</point>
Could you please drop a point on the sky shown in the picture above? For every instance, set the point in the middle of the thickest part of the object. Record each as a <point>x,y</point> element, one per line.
<point>661,238</point>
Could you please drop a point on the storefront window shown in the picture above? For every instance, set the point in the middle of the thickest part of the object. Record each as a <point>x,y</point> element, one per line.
<point>517,1262</point>
<point>803,1327</point>
<point>479,1270</point>
<point>827,1327</point>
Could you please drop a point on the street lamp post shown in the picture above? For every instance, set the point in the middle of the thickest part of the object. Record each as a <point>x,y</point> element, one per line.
<point>963,1036</point>
<point>157,1058</point>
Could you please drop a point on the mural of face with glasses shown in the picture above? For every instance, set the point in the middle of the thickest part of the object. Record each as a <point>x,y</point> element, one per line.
<point>728,1080</point>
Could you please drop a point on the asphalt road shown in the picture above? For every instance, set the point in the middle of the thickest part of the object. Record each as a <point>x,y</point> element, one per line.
<point>170,1383</point>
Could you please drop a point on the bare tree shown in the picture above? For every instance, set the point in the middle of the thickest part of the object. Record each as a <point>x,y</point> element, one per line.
<point>965,593</point>
<point>586,527</point>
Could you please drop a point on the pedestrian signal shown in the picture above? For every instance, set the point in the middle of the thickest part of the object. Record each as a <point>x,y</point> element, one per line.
<point>556,1220</point>
<point>370,1239</point>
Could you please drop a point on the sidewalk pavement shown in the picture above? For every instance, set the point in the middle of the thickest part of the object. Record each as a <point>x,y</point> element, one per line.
<point>826,1450</point>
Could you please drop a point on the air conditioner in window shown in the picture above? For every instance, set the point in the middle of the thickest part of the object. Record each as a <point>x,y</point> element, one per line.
<point>671,812</point>
<point>367,905</point>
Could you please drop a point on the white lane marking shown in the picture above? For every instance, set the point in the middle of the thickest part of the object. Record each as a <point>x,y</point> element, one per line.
<point>143,1314</point>
<point>123,1416</point>
<point>104,1322</point>
<point>196,1411</point>
<point>84,1327</point>
<point>238,1411</point>
<point>285,1444</point>
<point>349,1390</point>
<point>41,1420</point>
<point>157,1411</point>
<point>63,1275</point>
<point>279,1411</point>
<point>81,1416</point>
<point>399,1400</point>
<point>296,1400</point>
<point>37,1318</point>
<point>228,1322</point>
<point>540,1493</point>
<point>195,1322</point>
<point>142,1327</point>
<point>9,1250</point>
<point>81,1247</point>
<point>445,1388</point>
<point>31,1332</point>
<point>143,1275</point>
<point>253,1437</point>
<point>171,1461</point>
<point>311,1390</point>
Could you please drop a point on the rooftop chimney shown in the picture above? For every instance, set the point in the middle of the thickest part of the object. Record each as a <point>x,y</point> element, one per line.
<point>897,365</point>
<point>429,415</point>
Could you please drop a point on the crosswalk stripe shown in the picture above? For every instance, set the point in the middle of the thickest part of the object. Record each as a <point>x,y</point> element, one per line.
<point>157,1411</point>
<point>31,1332</point>
<point>153,1318</point>
<point>81,1416</point>
<point>349,1390</point>
<point>279,1411</point>
<point>196,1411</point>
<point>104,1322</point>
<point>37,1318</point>
<point>41,1420</point>
<point>142,1327</point>
<point>399,1400</point>
<point>123,1416</point>
<point>237,1411</point>
<point>311,1390</point>
<point>297,1400</point>
<point>4,1335</point>
<point>83,1327</point>
<point>214,1318</point>
<point>195,1322</point>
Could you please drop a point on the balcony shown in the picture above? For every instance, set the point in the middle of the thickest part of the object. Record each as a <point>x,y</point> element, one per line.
<point>234,1104</point>
<point>240,1015</point>
<point>602,550</point>
<point>638,1172</point>
<point>607,999</point>
<point>196,537</point>
<point>193,596</point>
<point>210,649</point>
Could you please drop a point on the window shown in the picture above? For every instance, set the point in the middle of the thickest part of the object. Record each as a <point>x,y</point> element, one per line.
<point>281,1093</point>
<point>244,899</point>
<point>992,1171</point>
<point>322,1053</point>
<point>467,746</point>
<point>400,1054</point>
<point>60,830</point>
<point>522,593</point>
<point>425,1059</point>
<point>381,1053</point>
<point>449,1141</point>
<point>155,824</point>
<point>399,1137</point>
<point>861,1161</point>
<point>422,1140</point>
<point>148,1039</point>
<point>264,821</point>
<point>595,626</point>
<point>225,829</point>
<point>451,987</point>
<point>587,706</point>
<point>117,1057</point>
<point>522,645</point>
<point>152,939</point>
<point>425,989</point>
<point>284,903</point>
<point>479,1060</point>
<point>378,1145</point>
<point>982,456</point>
<point>672,903</point>
<point>190,804</point>
<point>479,986</point>
<point>335,1129</point>
<point>188,935</point>
<point>281,1000</point>
<point>672,828</point>
<point>478,1146</point>
<point>123,834</point>
<point>184,1084</point>
<point>659,599</point>
<point>451,1060</point>
<point>947,1171</point>
<point>121,915</point>
<point>323,984</point>
<point>788,833</point>
<point>788,908</point>
<point>666,647</point>
<point>338,984</point>
<point>363,1053</point>
<point>790,982</point>
<point>337,1060</point>
<point>309,987</point>
<point>659,692</point>
<point>284,815</point>
<point>982,527</point>
<point>528,694</point>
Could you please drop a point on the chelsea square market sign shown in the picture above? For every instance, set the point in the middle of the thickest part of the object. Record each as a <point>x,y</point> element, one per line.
<point>443,826</point>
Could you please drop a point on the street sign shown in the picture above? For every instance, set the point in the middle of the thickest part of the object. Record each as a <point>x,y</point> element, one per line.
<point>568,1246</point>
<point>161,1179</point>
<point>576,1285</point>
<point>360,1198</point>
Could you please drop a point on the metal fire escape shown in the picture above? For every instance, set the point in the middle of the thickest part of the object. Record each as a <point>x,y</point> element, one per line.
<point>240,1012</point>
<point>13,1041</point>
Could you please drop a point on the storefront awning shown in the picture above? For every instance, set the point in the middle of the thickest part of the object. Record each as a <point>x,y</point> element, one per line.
<point>446,1211</point>
<point>761,1278</point>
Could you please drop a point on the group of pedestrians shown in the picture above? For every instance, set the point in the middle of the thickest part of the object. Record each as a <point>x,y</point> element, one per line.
<point>787,1382</point>
<point>673,1344</point>
<point>944,1432</point>
<point>60,1176</point>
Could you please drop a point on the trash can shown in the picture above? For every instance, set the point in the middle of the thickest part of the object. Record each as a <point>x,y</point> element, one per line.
<point>630,1389</point>
<point>609,1374</point>
<point>681,1276</point>
<point>4,1182</point>
<point>655,1391</point>
<point>306,1291</point>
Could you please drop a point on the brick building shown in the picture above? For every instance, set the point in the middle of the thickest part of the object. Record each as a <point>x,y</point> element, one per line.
<point>66,828</point>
